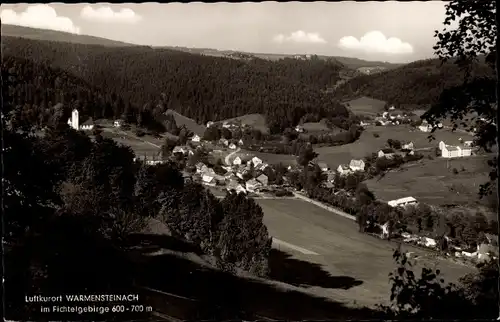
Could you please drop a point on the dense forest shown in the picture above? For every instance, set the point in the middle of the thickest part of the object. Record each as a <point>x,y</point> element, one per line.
<point>413,85</point>
<point>200,87</point>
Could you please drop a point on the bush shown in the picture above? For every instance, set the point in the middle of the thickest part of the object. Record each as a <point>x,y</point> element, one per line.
<point>455,171</point>
<point>140,133</point>
<point>376,135</point>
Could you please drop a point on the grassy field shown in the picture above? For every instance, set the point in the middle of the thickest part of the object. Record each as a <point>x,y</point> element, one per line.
<point>272,158</point>
<point>433,181</point>
<point>146,145</point>
<point>368,143</point>
<point>257,121</point>
<point>366,106</point>
<point>343,252</point>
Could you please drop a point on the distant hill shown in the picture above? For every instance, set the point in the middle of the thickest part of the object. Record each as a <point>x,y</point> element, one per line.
<point>52,35</point>
<point>411,86</point>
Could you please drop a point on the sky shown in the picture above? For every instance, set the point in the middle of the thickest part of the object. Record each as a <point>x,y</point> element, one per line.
<point>391,31</point>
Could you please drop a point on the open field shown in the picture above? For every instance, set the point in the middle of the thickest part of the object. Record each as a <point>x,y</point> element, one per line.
<point>272,158</point>
<point>366,106</point>
<point>315,127</point>
<point>433,182</point>
<point>190,124</point>
<point>257,121</point>
<point>367,143</point>
<point>146,145</point>
<point>342,251</point>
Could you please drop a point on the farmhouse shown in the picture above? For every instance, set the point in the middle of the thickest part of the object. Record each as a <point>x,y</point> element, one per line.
<point>468,144</point>
<point>210,123</point>
<point>343,170</point>
<point>240,142</point>
<point>408,146</point>
<point>323,166</point>
<point>386,153</point>
<point>87,125</point>
<point>232,146</point>
<point>180,149</point>
<point>357,165</point>
<point>118,123</point>
<point>224,142</point>
<point>261,166</point>
<point>237,187</point>
<point>237,161</point>
<point>208,180</point>
<point>262,179</point>
<point>252,185</point>
<point>256,161</point>
<point>196,138</point>
<point>384,115</point>
<point>299,129</point>
<point>425,127</point>
<point>403,202</point>
<point>449,151</point>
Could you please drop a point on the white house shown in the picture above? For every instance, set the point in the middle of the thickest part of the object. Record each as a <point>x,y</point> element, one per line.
<point>425,128</point>
<point>468,144</point>
<point>236,187</point>
<point>224,142</point>
<point>263,179</point>
<point>386,153</point>
<point>256,161</point>
<point>299,129</point>
<point>323,166</point>
<point>391,108</point>
<point>210,123</point>
<point>252,185</point>
<point>384,115</point>
<point>87,125</point>
<point>117,123</point>
<point>232,146</point>
<point>343,170</point>
<point>403,202</point>
<point>237,161</point>
<point>450,151</point>
<point>240,142</point>
<point>408,146</point>
<point>226,125</point>
<point>196,138</point>
<point>180,149</point>
<point>357,165</point>
<point>208,180</point>
<point>261,166</point>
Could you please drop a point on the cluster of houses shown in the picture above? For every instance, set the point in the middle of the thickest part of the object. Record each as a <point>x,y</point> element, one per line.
<point>484,251</point>
<point>74,120</point>
<point>426,127</point>
<point>236,176</point>
<point>389,118</point>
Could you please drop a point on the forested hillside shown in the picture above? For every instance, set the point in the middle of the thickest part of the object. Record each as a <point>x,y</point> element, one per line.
<point>418,83</point>
<point>37,89</point>
<point>200,87</point>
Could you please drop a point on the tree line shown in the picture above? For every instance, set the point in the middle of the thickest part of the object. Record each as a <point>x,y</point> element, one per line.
<point>200,87</point>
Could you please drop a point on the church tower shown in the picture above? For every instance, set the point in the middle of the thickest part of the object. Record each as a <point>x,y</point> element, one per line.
<point>74,119</point>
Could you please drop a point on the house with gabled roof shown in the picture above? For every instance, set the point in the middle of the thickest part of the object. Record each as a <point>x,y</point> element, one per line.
<point>343,170</point>
<point>357,165</point>
<point>263,179</point>
<point>323,166</point>
<point>252,185</point>
<point>256,161</point>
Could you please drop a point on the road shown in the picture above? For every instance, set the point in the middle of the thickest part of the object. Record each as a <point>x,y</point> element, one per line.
<point>226,159</point>
<point>335,243</point>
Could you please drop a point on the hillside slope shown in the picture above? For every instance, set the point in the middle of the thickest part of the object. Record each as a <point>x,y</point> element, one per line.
<point>412,85</point>
<point>199,87</point>
<point>46,95</point>
<point>53,35</point>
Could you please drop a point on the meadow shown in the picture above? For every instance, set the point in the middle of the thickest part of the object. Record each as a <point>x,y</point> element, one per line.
<point>368,142</point>
<point>434,181</point>
<point>340,248</point>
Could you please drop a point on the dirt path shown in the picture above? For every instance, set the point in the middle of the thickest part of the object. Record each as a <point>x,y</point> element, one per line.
<point>226,159</point>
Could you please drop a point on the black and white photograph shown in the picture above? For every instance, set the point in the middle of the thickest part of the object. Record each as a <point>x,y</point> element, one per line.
<point>250,161</point>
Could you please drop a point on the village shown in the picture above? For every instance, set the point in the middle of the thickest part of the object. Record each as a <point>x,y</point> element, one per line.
<point>226,167</point>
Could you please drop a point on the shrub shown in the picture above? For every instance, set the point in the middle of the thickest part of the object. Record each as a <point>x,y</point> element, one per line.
<point>283,193</point>
<point>455,171</point>
<point>376,135</point>
<point>140,133</point>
